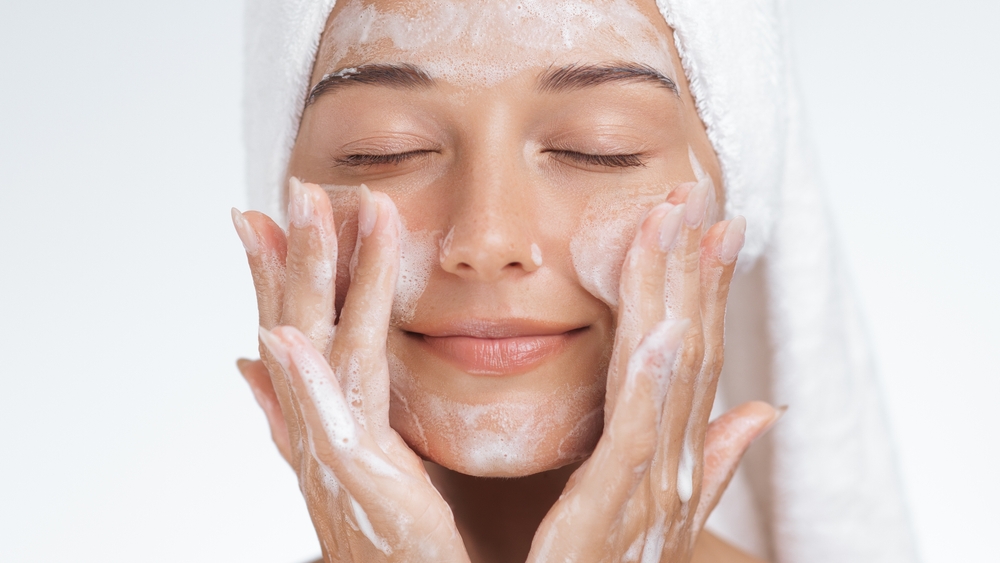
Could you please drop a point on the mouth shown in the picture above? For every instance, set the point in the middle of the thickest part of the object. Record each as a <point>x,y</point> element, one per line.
<point>496,347</point>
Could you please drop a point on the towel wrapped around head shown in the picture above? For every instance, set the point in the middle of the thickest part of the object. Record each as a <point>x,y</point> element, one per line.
<point>822,487</point>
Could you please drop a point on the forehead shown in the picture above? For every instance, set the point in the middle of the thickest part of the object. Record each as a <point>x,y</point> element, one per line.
<point>485,42</point>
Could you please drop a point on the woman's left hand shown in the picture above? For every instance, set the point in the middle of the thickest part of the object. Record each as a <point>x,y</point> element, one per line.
<point>660,467</point>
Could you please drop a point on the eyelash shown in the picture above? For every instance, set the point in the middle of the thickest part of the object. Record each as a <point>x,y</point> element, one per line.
<point>604,160</point>
<point>369,160</point>
<point>392,159</point>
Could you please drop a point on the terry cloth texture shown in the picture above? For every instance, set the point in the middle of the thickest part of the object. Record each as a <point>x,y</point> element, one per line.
<point>822,486</point>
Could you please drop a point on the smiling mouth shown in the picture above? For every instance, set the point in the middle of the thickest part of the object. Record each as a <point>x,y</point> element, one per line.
<point>497,348</point>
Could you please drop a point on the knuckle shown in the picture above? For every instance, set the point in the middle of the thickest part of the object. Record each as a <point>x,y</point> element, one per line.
<point>693,354</point>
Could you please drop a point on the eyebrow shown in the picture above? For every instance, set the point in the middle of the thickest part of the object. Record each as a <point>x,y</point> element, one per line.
<point>561,79</point>
<point>403,76</point>
<point>574,77</point>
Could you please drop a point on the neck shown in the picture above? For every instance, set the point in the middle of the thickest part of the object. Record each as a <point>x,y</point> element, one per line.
<point>497,517</point>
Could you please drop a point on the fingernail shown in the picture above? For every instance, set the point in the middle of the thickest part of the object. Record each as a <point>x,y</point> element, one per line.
<point>300,208</point>
<point>275,346</point>
<point>367,211</point>
<point>241,364</point>
<point>670,225</point>
<point>732,240</point>
<point>779,413</point>
<point>245,232</point>
<point>650,225</point>
<point>696,201</point>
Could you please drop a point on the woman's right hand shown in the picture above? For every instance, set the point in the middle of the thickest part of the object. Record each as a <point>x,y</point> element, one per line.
<point>324,387</point>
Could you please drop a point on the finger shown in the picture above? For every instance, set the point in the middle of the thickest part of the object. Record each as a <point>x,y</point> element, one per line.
<point>310,264</point>
<point>380,495</point>
<point>360,346</point>
<point>720,247</point>
<point>641,289</point>
<point>266,248</point>
<point>257,376</point>
<point>600,489</point>
<point>265,244</point>
<point>674,468</point>
<point>726,441</point>
<point>683,283</point>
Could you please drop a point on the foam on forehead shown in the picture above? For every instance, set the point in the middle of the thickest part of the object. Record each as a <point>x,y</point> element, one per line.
<point>487,42</point>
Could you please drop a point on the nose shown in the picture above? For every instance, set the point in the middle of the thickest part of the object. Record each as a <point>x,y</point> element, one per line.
<point>492,225</point>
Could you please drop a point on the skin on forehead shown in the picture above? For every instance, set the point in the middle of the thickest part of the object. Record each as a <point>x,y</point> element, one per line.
<point>483,43</point>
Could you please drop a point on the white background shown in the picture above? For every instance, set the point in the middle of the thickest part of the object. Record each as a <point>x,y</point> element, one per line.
<point>126,432</point>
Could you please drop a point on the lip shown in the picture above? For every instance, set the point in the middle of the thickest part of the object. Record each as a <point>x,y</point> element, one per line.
<point>496,347</point>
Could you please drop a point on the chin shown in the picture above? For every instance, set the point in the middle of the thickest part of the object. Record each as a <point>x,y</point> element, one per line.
<point>504,435</point>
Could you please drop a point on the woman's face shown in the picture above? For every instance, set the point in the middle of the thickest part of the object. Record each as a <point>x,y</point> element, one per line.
<point>522,142</point>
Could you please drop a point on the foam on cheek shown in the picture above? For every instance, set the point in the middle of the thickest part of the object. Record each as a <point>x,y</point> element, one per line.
<point>602,240</point>
<point>417,253</point>
<point>487,42</point>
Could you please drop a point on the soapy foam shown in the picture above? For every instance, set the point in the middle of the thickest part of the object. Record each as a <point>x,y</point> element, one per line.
<point>656,537</point>
<point>531,30</point>
<point>365,527</point>
<point>602,239</point>
<point>685,474</point>
<point>536,255</point>
<point>634,550</point>
<point>445,246</point>
<point>501,437</point>
<point>417,249</point>
<point>337,423</point>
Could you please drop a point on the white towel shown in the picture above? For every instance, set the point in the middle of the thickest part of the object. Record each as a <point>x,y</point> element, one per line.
<point>822,487</point>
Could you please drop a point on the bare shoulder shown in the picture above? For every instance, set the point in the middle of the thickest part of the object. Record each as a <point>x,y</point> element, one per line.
<point>711,549</point>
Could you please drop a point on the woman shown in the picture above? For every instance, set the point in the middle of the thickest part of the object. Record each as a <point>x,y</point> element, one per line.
<point>508,210</point>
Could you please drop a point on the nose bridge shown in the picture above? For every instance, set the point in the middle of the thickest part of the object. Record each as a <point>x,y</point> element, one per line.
<point>492,222</point>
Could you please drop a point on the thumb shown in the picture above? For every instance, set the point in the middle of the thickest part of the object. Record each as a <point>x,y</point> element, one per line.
<point>726,440</point>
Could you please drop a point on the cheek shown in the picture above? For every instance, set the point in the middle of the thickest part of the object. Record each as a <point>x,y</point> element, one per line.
<point>418,256</point>
<point>503,437</point>
<point>418,253</point>
<point>602,238</point>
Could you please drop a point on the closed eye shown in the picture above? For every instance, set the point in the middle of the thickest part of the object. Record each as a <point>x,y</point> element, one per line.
<point>601,160</point>
<point>370,160</point>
